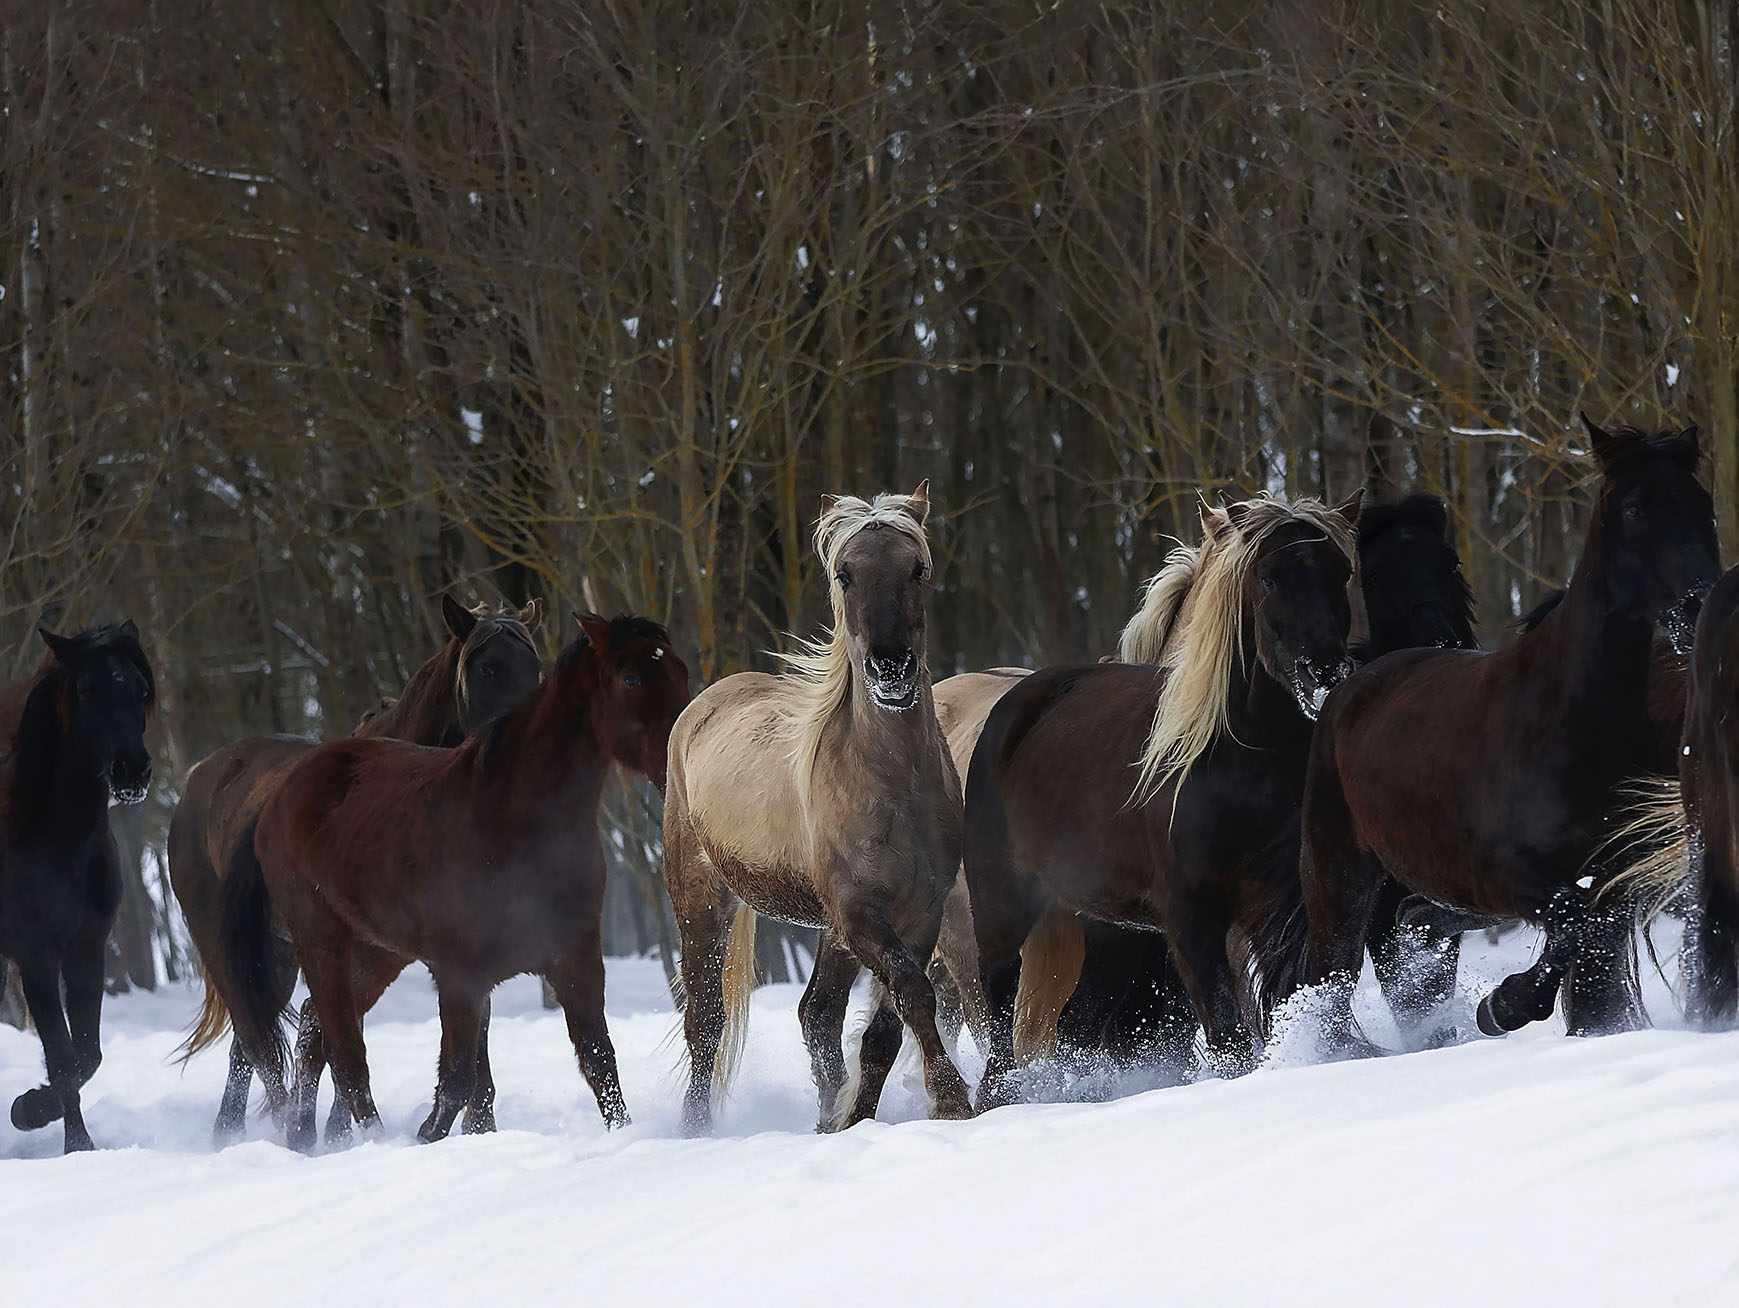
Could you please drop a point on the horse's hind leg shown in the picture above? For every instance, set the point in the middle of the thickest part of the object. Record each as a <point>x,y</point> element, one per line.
<point>1004,911</point>
<point>900,971</point>
<point>1600,995</point>
<point>1530,996</point>
<point>821,1012</point>
<point>232,1113</point>
<point>1415,961</point>
<point>1198,951</point>
<point>877,1050</point>
<point>310,1062</point>
<point>332,991</point>
<point>461,1021</point>
<point>1710,956</point>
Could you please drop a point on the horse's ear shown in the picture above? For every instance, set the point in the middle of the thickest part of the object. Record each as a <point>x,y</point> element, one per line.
<point>1349,507</point>
<point>531,616</point>
<point>1215,523</point>
<point>130,629</point>
<point>917,504</point>
<point>1237,511</point>
<point>1692,447</point>
<point>459,619</point>
<point>1434,513</point>
<point>596,629</point>
<point>1599,441</point>
<point>62,647</point>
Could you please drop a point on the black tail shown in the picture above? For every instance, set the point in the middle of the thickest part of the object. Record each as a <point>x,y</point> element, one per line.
<point>252,956</point>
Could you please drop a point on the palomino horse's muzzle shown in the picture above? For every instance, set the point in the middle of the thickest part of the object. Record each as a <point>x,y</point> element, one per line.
<point>892,680</point>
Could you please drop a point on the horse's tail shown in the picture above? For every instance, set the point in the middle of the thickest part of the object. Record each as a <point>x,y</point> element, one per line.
<point>738,981</point>
<point>251,955</point>
<point>213,1020</point>
<point>1651,847</point>
<point>1050,969</point>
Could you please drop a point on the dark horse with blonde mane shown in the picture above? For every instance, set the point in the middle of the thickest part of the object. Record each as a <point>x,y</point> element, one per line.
<point>1486,782</point>
<point>482,861</point>
<point>1166,797</point>
<point>825,797</point>
<point>74,735</point>
<point>487,666</point>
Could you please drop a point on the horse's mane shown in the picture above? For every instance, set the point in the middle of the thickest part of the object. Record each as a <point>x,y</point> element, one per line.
<point>1193,701</point>
<point>393,717</point>
<point>819,672</point>
<point>1162,597</point>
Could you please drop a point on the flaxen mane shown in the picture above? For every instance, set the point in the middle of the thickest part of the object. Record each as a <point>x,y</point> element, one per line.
<point>820,671</point>
<point>1192,706</point>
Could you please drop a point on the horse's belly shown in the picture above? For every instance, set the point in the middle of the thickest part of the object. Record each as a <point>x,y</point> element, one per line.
<point>777,892</point>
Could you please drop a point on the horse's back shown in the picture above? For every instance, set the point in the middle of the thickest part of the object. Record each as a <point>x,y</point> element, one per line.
<point>731,768</point>
<point>963,702</point>
<point>360,791</point>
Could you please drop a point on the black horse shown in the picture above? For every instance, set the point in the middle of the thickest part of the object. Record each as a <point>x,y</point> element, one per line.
<point>1486,783</point>
<point>76,744</point>
<point>1129,1006</point>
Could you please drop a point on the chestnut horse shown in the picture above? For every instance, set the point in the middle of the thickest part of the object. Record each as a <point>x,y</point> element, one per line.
<point>1485,782</point>
<point>824,797</point>
<point>487,666</point>
<point>482,861</point>
<point>74,743</point>
<point>1166,797</point>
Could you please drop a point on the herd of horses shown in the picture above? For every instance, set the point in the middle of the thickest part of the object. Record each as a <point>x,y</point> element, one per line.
<point>1088,863</point>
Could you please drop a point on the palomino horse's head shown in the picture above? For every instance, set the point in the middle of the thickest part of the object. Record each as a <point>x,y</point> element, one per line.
<point>1657,525</point>
<point>104,691</point>
<point>878,563</point>
<point>1415,593</point>
<point>636,688</point>
<point>1295,588</point>
<point>498,664</point>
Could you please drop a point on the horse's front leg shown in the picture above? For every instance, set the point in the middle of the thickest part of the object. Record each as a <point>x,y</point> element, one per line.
<point>821,1013</point>
<point>1600,997</point>
<point>578,979</point>
<point>900,969</point>
<point>41,974</point>
<point>480,1112</point>
<point>1530,996</point>
<point>461,1021</point>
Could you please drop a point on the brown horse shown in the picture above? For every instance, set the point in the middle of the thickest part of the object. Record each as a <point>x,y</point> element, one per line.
<point>487,666</point>
<point>1167,797</point>
<point>825,797</point>
<point>482,861</point>
<point>1487,782</point>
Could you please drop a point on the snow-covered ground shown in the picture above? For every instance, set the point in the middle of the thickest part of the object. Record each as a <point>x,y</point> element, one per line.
<point>1531,1169</point>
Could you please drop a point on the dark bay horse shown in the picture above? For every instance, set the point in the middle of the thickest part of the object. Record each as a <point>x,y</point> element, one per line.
<point>826,797</point>
<point>482,861</point>
<point>1486,782</point>
<point>1166,797</point>
<point>75,742</point>
<point>487,666</point>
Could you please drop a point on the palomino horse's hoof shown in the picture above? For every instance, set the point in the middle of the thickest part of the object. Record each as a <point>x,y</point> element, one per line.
<point>35,1109</point>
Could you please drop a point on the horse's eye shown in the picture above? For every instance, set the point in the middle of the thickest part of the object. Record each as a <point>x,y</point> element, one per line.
<point>630,680</point>
<point>1267,583</point>
<point>918,572</point>
<point>486,670</point>
<point>843,577</point>
<point>1633,511</point>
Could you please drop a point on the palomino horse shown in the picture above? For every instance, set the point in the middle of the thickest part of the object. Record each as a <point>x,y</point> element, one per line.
<point>1688,828</point>
<point>1485,781</point>
<point>482,861</point>
<point>1166,797</point>
<point>487,666</point>
<point>825,797</point>
<point>75,742</point>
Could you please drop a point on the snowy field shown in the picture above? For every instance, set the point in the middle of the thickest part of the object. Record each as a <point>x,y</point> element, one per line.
<point>1531,1169</point>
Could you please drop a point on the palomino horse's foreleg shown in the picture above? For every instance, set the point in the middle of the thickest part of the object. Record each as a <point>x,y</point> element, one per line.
<point>461,1022</point>
<point>901,971</point>
<point>821,1012</point>
<point>41,974</point>
<point>578,980</point>
<point>480,1112</point>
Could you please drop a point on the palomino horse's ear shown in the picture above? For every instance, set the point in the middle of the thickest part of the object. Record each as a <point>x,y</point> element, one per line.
<point>130,629</point>
<point>1599,441</point>
<point>531,616</point>
<point>1349,507</point>
<point>459,619</point>
<point>596,629</point>
<point>62,647</point>
<point>917,504</point>
<point>1214,520</point>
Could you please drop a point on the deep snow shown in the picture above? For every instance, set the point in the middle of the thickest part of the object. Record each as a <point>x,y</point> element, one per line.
<point>1530,1169</point>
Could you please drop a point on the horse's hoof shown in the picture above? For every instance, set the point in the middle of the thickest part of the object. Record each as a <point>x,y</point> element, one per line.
<point>618,1120</point>
<point>479,1123</point>
<point>79,1144</point>
<point>35,1109</point>
<point>302,1142</point>
<point>953,1105</point>
<point>1488,1020</point>
<point>432,1130</point>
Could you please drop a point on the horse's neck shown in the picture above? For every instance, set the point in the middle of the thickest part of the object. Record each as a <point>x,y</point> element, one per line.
<point>1260,711</point>
<point>547,746</point>
<point>906,743</point>
<point>424,714</point>
<point>46,782</point>
<point>1604,654</point>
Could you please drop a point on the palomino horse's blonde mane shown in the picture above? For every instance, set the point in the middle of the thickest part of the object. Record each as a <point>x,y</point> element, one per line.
<point>820,671</point>
<point>1192,705</point>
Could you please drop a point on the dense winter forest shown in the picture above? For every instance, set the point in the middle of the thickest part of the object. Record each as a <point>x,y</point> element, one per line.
<point>312,311</point>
